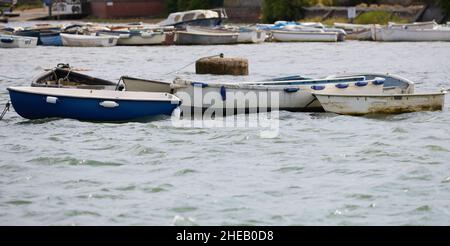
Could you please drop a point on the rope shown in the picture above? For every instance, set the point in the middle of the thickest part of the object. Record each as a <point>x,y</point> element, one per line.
<point>8,104</point>
<point>118,84</point>
<point>176,71</point>
<point>69,69</point>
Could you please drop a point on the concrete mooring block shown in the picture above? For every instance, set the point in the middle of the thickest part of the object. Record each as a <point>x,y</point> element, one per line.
<point>222,66</point>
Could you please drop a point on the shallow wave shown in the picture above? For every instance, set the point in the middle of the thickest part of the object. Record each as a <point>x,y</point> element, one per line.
<point>322,169</point>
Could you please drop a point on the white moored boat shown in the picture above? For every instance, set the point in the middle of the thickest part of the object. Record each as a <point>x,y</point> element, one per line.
<point>244,34</point>
<point>414,25</point>
<point>414,32</point>
<point>10,41</point>
<point>356,31</point>
<point>396,35</point>
<point>143,38</point>
<point>76,40</point>
<point>286,95</point>
<point>205,38</point>
<point>197,17</point>
<point>248,35</point>
<point>304,36</point>
<point>380,104</point>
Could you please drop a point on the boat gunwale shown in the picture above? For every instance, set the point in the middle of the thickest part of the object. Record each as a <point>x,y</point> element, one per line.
<point>84,37</point>
<point>98,97</point>
<point>304,32</point>
<point>395,76</point>
<point>442,93</point>
<point>206,34</point>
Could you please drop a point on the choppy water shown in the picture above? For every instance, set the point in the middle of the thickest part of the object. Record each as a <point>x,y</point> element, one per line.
<point>322,169</point>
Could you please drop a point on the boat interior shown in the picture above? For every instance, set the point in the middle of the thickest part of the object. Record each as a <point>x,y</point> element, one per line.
<point>60,77</point>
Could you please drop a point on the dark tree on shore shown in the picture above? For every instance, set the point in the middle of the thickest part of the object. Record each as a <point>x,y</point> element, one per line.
<point>288,10</point>
<point>446,6</point>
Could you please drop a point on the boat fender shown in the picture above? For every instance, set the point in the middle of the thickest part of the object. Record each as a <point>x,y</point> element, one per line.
<point>199,84</point>
<point>361,83</point>
<point>109,104</point>
<point>341,86</point>
<point>223,93</point>
<point>291,90</point>
<point>378,81</point>
<point>52,100</point>
<point>317,87</point>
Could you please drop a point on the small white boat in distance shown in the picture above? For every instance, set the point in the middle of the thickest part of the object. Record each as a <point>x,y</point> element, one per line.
<point>10,41</point>
<point>199,17</point>
<point>143,38</point>
<point>413,32</point>
<point>249,35</point>
<point>244,34</point>
<point>205,38</point>
<point>398,35</point>
<point>75,40</point>
<point>356,31</point>
<point>414,25</point>
<point>380,104</point>
<point>304,36</point>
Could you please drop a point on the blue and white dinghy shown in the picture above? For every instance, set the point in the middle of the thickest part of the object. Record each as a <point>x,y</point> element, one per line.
<point>90,105</point>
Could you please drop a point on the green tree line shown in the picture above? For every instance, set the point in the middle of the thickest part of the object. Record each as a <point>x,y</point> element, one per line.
<point>446,6</point>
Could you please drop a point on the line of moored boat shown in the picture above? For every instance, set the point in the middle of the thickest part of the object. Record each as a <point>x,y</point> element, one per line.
<point>64,93</point>
<point>205,27</point>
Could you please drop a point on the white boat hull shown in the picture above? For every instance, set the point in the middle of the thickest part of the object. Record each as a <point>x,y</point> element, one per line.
<point>74,40</point>
<point>381,104</point>
<point>150,39</point>
<point>255,36</point>
<point>295,36</point>
<point>239,96</point>
<point>9,41</point>
<point>204,38</point>
<point>398,35</point>
<point>360,35</point>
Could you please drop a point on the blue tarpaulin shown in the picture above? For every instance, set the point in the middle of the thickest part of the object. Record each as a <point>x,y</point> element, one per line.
<point>48,2</point>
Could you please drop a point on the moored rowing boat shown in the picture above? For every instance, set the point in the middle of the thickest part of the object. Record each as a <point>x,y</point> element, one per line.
<point>76,40</point>
<point>11,41</point>
<point>380,104</point>
<point>304,36</point>
<point>90,105</point>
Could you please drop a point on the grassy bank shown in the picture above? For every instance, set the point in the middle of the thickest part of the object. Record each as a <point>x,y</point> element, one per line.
<point>374,17</point>
<point>328,22</point>
<point>378,17</point>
